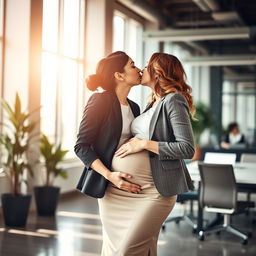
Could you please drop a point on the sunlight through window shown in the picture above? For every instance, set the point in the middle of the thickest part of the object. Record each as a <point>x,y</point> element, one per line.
<point>26,233</point>
<point>68,234</point>
<point>119,36</point>
<point>127,36</point>
<point>78,215</point>
<point>62,90</point>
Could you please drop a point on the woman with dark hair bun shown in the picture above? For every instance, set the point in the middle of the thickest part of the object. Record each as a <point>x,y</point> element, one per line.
<point>107,116</point>
<point>105,126</point>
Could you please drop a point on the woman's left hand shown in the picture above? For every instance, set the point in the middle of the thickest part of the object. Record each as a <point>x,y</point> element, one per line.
<point>133,145</point>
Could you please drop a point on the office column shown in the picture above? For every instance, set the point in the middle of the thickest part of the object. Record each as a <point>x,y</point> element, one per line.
<point>216,80</point>
<point>34,90</point>
<point>98,31</point>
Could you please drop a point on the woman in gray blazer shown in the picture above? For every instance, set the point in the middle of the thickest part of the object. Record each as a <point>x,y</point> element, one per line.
<point>155,157</point>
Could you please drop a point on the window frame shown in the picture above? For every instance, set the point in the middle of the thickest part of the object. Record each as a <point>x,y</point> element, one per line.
<point>79,63</point>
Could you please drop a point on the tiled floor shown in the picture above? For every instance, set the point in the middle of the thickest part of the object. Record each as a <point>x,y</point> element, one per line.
<point>76,231</point>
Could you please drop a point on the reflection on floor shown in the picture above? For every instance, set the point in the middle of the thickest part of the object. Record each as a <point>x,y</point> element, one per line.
<point>76,231</point>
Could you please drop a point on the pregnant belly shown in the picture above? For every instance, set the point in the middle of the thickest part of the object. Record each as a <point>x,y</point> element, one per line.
<point>138,165</point>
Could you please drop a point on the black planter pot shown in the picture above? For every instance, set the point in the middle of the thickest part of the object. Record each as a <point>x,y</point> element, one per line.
<point>46,200</point>
<point>15,209</point>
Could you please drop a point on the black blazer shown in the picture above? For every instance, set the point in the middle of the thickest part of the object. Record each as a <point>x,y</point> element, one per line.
<point>100,129</point>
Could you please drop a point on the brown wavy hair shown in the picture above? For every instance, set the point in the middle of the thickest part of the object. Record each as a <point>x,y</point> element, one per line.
<point>169,76</point>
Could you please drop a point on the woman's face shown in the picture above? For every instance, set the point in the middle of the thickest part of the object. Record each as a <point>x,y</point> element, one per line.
<point>131,73</point>
<point>146,79</point>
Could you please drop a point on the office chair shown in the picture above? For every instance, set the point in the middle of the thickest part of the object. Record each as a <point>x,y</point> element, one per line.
<point>189,218</point>
<point>248,158</point>
<point>247,188</point>
<point>218,194</point>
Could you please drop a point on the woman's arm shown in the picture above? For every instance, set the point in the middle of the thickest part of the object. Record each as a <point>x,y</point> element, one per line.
<point>182,148</point>
<point>117,178</point>
<point>178,114</point>
<point>88,130</point>
<point>136,145</point>
<point>89,127</point>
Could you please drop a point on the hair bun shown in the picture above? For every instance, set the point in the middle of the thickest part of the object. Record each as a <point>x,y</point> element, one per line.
<point>93,82</point>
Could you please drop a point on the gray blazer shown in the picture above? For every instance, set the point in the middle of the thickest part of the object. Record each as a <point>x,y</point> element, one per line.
<point>170,126</point>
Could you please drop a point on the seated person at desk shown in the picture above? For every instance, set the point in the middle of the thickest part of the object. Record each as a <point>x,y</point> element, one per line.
<point>234,138</point>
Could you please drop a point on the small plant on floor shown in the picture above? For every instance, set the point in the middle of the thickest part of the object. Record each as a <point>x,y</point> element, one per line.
<point>52,156</point>
<point>47,195</point>
<point>15,141</point>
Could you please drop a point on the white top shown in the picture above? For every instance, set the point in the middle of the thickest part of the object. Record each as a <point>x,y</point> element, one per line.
<point>127,117</point>
<point>234,139</point>
<point>140,125</point>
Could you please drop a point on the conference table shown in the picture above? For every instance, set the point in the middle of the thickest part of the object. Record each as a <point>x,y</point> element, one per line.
<point>245,174</point>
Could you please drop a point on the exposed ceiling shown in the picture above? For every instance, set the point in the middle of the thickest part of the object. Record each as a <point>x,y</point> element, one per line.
<point>198,15</point>
<point>206,13</point>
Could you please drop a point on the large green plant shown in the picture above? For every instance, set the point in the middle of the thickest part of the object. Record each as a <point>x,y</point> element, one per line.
<point>52,156</point>
<point>15,141</point>
<point>204,120</point>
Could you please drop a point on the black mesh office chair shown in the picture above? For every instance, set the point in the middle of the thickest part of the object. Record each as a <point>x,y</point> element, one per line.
<point>218,194</point>
<point>190,196</point>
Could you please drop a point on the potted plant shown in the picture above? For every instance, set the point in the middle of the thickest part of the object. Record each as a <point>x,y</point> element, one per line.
<point>14,142</point>
<point>47,196</point>
<point>204,120</point>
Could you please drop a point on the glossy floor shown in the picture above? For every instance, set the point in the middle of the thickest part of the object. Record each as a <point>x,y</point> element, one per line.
<point>76,231</point>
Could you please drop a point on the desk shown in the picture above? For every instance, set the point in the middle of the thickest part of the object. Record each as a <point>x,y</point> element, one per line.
<point>245,173</point>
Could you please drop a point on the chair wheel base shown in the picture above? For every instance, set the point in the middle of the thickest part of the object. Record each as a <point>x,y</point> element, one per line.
<point>244,241</point>
<point>201,236</point>
<point>249,234</point>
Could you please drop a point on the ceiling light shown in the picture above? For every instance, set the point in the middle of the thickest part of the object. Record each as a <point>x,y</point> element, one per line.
<point>177,35</point>
<point>226,16</point>
<point>202,5</point>
<point>212,4</point>
<point>221,60</point>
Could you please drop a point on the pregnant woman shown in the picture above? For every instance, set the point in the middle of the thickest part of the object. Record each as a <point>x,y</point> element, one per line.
<point>154,158</point>
<point>101,126</point>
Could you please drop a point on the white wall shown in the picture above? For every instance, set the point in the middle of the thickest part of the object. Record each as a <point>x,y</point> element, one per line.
<point>16,57</point>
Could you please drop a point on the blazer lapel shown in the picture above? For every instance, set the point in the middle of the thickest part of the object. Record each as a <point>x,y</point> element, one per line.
<point>132,108</point>
<point>154,118</point>
<point>117,114</point>
<point>147,108</point>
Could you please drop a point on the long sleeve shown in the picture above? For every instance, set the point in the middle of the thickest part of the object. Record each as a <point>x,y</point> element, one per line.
<point>93,116</point>
<point>178,114</point>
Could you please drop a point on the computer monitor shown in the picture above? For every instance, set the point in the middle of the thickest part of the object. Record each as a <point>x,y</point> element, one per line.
<point>220,158</point>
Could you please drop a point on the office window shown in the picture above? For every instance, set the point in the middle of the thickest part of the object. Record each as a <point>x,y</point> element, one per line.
<point>239,104</point>
<point>62,70</point>
<point>127,36</point>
